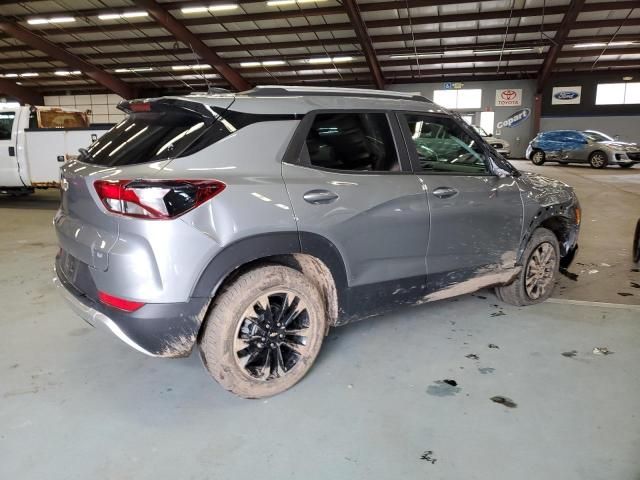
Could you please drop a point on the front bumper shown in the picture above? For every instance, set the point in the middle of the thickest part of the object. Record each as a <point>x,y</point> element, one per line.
<point>157,330</point>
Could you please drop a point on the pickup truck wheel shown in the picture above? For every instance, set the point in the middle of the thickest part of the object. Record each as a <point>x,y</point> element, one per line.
<point>541,263</point>
<point>598,159</point>
<point>538,157</point>
<point>264,332</point>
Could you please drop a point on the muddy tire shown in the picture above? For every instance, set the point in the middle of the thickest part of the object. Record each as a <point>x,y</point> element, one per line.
<point>598,159</point>
<point>264,332</point>
<point>538,157</point>
<point>540,266</point>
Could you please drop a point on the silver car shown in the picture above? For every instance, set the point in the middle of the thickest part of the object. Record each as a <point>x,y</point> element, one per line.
<point>501,145</point>
<point>250,223</point>
<point>586,146</point>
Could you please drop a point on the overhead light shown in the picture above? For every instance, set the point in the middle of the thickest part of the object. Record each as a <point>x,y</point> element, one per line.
<point>505,50</point>
<point>116,16</point>
<point>627,78</point>
<point>213,8</point>
<point>66,73</point>
<point>29,74</point>
<point>10,75</point>
<point>602,44</point>
<point>458,52</point>
<point>191,67</point>
<point>42,21</point>
<point>315,61</point>
<point>266,63</point>
<point>277,3</point>
<point>134,69</point>
<point>415,55</point>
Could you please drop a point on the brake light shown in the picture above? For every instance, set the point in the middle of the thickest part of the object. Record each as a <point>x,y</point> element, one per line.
<point>155,199</point>
<point>119,303</point>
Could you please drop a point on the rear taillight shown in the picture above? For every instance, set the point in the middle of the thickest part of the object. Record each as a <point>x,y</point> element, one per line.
<point>119,303</point>
<point>155,199</point>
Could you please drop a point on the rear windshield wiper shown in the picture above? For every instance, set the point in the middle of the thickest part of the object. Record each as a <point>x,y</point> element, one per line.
<point>86,155</point>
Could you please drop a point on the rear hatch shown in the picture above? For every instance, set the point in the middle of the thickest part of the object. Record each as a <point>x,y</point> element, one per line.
<point>154,133</point>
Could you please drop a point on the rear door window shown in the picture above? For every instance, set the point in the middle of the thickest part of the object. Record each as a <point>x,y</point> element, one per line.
<point>360,142</point>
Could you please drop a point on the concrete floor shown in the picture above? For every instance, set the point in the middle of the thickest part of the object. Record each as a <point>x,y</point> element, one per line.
<point>77,404</point>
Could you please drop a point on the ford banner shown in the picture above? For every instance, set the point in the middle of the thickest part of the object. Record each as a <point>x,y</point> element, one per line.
<point>566,95</point>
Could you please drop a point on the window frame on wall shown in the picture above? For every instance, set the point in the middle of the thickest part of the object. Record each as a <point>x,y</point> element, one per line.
<point>624,87</point>
<point>488,159</point>
<point>466,91</point>
<point>297,153</point>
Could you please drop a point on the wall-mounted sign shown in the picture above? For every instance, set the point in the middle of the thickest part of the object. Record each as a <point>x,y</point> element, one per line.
<point>566,95</point>
<point>515,119</point>
<point>453,85</point>
<point>509,97</point>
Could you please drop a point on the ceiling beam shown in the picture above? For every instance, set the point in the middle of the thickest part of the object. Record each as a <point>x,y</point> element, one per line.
<point>109,81</point>
<point>23,94</point>
<point>183,34</point>
<point>568,22</point>
<point>365,42</point>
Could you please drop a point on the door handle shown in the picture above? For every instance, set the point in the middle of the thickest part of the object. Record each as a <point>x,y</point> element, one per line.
<point>445,192</point>
<point>319,196</point>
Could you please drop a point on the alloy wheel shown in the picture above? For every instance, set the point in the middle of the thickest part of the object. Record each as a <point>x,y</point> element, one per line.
<point>540,270</point>
<point>538,157</point>
<point>272,335</point>
<point>598,160</point>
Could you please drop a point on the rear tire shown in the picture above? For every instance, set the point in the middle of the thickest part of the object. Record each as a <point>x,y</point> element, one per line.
<point>598,159</point>
<point>264,332</point>
<point>538,157</point>
<point>541,263</point>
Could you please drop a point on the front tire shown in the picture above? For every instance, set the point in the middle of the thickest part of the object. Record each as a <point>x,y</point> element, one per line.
<point>264,332</point>
<point>598,159</point>
<point>541,263</point>
<point>538,157</point>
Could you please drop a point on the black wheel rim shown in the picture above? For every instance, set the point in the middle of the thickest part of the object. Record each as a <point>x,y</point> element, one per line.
<point>540,271</point>
<point>272,335</point>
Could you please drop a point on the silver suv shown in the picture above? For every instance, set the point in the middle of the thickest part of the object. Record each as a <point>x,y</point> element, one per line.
<point>250,223</point>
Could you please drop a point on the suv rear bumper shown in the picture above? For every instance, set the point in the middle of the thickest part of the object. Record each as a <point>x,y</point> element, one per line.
<point>158,330</point>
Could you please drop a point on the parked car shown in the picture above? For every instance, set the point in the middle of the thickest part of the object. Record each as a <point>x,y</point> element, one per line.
<point>636,243</point>
<point>35,141</point>
<point>587,146</point>
<point>250,223</point>
<point>502,146</point>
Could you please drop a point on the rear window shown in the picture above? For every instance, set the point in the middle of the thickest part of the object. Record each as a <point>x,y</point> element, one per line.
<point>149,137</point>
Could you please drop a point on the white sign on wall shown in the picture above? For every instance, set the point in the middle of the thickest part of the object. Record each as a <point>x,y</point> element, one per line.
<point>566,95</point>
<point>509,97</point>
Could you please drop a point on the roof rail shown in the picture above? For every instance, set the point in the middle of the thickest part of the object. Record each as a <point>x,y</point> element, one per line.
<point>287,91</point>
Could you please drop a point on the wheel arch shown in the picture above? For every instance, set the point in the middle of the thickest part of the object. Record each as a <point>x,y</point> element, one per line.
<point>319,260</point>
<point>557,219</point>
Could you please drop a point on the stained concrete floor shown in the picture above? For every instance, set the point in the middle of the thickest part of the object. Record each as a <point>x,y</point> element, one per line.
<point>77,404</point>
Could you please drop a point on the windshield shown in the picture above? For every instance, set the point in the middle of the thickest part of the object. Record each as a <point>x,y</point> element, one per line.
<point>480,130</point>
<point>597,136</point>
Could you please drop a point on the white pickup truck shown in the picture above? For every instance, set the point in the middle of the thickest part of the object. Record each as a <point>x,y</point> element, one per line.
<point>36,141</point>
